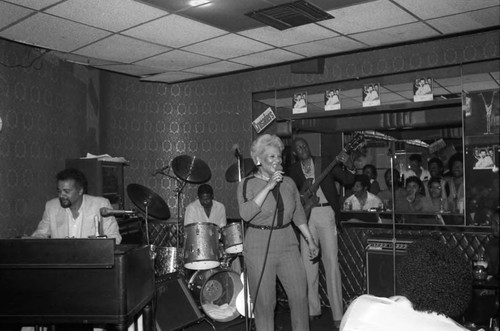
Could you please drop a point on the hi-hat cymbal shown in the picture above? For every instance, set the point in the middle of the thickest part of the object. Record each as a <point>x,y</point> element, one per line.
<point>142,196</point>
<point>247,167</point>
<point>191,169</point>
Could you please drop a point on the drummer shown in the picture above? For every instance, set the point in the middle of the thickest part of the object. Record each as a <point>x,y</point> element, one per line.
<point>205,209</point>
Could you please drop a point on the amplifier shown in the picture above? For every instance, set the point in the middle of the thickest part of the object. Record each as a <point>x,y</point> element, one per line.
<point>380,260</point>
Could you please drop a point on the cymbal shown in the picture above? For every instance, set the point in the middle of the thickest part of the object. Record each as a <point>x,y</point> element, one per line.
<point>247,167</point>
<point>191,169</point>
<point>141,196</point>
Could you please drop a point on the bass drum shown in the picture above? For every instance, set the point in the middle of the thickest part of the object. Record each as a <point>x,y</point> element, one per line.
<point>216,290</point>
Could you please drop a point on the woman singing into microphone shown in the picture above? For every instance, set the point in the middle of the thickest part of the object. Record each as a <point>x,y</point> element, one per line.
<point>268,203</point>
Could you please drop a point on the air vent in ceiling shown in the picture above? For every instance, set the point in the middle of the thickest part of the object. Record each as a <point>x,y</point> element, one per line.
<point>290,15</point>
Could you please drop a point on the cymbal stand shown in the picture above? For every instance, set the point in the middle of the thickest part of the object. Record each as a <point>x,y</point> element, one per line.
<point>152,253</point>
<point>178,190</point>
<point>247,307</point>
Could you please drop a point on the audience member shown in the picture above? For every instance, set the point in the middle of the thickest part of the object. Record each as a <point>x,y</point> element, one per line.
<point>416,169</point>
<point>436,169</point>
<point>456,182</point>
<point>386,195</point>
<point>362,199</point>
<point>371,172</point>
<point>434,288</point>
<point>415,196</point>
<point>436,201</point>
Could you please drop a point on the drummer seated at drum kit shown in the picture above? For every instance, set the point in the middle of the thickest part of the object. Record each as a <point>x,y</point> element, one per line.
<point>207,210</point>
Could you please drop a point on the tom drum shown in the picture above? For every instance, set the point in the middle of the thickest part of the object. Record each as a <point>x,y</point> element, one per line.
<point>201,249</point>
<point>232,238</point>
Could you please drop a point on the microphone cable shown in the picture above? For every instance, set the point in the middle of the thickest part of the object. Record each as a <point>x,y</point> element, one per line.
<point>266,252</point>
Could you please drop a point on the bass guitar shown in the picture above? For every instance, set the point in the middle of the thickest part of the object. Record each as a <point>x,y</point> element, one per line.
<point>308,196</point>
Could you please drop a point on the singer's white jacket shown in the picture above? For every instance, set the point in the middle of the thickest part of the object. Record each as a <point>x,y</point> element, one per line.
<point>55,220</point>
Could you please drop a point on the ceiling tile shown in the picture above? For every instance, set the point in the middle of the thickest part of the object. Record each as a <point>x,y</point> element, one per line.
<point>174,31</point>
<point>292,36</point>
<point>367,16</point>
<point>228,46</point>
<point>218,67</point>
<point>426,9</point>
<point>468,21</point>
<point>268,57</point>
<point>412,31</point>
<point>122,49</point>
<point>111,15</point>
<point>176,60</point>
<point>326,46</point>
<point>131,69</point>
<point>34,4</point>
<point>171,77</point>
<point>10,13</point>
<point>51,32</point>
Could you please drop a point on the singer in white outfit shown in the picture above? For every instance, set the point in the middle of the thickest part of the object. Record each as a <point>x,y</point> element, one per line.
<point>75,214</point>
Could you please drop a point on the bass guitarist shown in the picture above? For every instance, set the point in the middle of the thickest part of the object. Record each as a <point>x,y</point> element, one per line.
<point>323,201</point>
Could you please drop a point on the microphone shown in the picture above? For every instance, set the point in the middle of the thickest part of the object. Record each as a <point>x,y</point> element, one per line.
<point>105,212</point>
<point>279,167</point>
<point>160,170</point>
<point>236,149</point>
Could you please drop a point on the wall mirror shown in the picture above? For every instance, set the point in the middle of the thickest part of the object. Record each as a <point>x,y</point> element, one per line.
<point>462,116</point>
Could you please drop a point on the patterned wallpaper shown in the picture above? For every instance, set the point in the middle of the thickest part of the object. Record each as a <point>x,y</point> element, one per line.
<point>52,111</point>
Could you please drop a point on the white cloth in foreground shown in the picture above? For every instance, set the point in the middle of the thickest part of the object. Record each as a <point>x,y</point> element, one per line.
<point>370,313</point>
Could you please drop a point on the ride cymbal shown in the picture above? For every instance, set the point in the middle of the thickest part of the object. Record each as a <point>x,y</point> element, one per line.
<point>141,196</point>
<point>191,169</point>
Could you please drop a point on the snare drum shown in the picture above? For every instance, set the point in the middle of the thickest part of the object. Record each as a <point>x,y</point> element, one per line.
<point>216,291</point>
<point>201,249</point>
<point>232,238</point>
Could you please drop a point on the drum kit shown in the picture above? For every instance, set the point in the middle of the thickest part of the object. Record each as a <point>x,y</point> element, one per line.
<point>215,286</point>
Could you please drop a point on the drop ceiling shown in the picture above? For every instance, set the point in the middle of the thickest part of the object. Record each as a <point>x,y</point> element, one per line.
<point>178,40</point>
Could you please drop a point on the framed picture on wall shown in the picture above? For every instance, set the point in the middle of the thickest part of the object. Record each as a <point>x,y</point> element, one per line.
<point>485,157</point>
<point>299,102</point>
<point>422,89</point>
<point>332,99</point>
<point>371,95</point>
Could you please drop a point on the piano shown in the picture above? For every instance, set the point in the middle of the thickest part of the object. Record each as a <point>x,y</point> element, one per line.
<point>75,281</point>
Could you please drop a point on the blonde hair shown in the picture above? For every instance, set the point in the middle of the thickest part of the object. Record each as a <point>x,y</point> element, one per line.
<point>263,141</point>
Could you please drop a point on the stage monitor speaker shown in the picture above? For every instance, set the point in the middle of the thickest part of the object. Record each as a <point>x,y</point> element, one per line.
<point>175,306</point>
<point>380,279</point>
<point>313,66</point>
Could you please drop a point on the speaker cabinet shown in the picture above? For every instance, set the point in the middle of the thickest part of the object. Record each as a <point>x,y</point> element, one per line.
<point>175,306</point>
<point>380,275</point>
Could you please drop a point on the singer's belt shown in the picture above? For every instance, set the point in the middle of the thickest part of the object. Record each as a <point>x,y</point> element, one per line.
<point>266,227</point>
<point>325,204</point>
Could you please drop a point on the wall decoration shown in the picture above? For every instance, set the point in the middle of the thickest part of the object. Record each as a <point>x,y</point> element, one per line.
<point>299,102</point>
<point>422,89</point>
<point>332,99</point>
<point>371,95</point>
<point>485,157</point>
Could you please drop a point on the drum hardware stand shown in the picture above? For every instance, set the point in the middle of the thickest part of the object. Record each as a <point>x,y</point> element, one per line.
<point>152,253</point>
